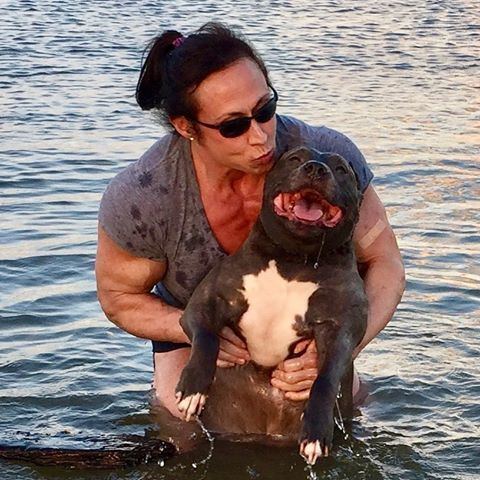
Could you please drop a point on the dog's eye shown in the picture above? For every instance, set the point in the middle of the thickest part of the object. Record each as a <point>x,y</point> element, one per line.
<point>341,169</point>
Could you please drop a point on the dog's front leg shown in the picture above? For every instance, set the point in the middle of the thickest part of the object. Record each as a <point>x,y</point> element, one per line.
<point>317,424</point>
<point>198,374</point>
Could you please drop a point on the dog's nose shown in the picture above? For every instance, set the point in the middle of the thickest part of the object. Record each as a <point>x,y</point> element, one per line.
<point>315,169</point>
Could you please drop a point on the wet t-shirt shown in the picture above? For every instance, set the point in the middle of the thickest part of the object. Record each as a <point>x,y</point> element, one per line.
<point>153,208</point>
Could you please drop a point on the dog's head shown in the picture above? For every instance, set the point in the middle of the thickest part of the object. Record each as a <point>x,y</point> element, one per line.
<point>310,198</point>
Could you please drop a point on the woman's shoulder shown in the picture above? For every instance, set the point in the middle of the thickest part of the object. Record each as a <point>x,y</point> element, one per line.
<point>155,162</point>
<point>135,205</point>
<point>300,131</point>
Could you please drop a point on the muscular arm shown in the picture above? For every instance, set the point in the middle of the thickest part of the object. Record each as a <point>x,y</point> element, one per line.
<point>124,283</point>
<point>380,264</point>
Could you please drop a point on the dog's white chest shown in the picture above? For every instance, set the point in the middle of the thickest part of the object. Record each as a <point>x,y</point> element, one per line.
<point>274,306</point>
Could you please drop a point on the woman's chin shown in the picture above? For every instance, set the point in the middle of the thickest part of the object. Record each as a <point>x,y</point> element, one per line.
<point>261,166</point>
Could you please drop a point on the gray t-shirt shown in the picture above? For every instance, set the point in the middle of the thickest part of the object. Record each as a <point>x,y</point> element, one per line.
<point>153,208</point>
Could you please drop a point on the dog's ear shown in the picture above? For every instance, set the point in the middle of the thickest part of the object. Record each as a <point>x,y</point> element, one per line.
<point>360,193</point>
<point>357,179</point>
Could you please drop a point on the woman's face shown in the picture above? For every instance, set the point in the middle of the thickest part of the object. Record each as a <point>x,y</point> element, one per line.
<point>237,91</point>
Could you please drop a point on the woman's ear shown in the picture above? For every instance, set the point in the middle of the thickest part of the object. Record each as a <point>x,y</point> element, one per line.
<point>183,127</point>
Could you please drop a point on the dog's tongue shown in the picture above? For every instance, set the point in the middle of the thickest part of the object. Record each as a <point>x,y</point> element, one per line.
<point>309,211</point>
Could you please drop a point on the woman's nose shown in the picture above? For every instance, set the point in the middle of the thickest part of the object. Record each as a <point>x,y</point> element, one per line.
<point>257,136</point>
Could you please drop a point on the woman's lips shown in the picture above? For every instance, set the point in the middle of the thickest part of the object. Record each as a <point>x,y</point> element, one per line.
<point>264,159</point>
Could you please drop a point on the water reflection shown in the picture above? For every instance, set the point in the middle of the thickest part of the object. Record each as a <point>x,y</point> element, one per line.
<point>400,80</point>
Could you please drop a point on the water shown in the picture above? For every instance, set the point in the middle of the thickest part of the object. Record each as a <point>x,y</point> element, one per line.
<point>400,78</point>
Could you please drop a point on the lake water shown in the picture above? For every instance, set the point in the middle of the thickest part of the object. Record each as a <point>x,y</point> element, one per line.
<point>401,78</point>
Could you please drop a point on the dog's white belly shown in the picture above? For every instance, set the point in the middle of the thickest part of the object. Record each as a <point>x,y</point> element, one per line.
<point>274,306</point>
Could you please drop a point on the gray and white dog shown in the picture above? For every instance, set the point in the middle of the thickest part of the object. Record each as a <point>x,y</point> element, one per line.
<point>294,278</point>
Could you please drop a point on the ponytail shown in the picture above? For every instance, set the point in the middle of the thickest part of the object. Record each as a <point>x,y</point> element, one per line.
<point>152,79</point>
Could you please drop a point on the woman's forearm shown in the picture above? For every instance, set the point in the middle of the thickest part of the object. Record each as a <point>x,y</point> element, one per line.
<point>144,315</point>
<point>384,281</point>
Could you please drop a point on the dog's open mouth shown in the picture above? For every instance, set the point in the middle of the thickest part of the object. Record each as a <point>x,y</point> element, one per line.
<point>307,206</point>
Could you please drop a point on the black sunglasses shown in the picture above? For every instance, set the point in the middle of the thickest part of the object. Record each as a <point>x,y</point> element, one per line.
<point>238,126</point>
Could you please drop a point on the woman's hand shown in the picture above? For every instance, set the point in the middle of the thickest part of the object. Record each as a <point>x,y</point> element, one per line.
<point>295,376</point>
<point>232,349</point>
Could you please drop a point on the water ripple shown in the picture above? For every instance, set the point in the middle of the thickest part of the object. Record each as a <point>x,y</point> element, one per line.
<point>400,79</point>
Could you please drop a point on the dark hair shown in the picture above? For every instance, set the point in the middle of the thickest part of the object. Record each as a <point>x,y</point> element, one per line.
<point>176,65</point>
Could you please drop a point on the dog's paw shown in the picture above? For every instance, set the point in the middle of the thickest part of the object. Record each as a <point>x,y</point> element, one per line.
<point>190,406</point>
<point>316,435</point>
<point>192,389</point>
<point>311,451</point>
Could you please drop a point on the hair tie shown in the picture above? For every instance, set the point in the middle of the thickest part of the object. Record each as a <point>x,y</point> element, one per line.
<point>178,41</point>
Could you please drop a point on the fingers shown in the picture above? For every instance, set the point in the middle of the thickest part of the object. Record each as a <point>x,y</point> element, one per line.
<point>228,334</point>
<point>292,387</point>
<point>301,346</point>
<point>298,396</point>
<point>307,345</point>
<point>231,355</point>
<point>232,348</point>
<point>190,406</point>
<point>224,364</point>
<point>291,378</point>
<point>295,376</point>
<point>305,361</point>
<point>294,381</point>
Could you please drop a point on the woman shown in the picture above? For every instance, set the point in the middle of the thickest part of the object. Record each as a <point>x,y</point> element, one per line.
<point>194,196</point>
